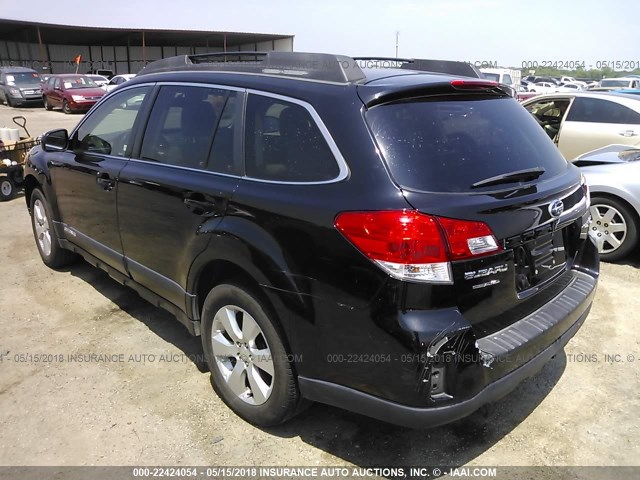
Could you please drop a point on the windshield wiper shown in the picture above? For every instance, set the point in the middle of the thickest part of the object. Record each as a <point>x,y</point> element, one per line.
<point>518,176</point>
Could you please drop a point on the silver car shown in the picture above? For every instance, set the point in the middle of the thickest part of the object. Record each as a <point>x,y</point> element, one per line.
<point>613,176</point>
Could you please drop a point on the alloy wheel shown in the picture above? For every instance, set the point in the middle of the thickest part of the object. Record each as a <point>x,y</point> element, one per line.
<point>242,354</point>
<point>41,223</point>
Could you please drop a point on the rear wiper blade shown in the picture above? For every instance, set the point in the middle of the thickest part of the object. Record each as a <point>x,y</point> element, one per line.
<point>519,176</point>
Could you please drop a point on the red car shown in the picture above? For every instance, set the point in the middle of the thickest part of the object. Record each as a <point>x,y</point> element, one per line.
<point>72,93</point>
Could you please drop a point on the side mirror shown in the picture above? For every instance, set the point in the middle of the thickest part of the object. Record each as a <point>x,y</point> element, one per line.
<point>55,140</point>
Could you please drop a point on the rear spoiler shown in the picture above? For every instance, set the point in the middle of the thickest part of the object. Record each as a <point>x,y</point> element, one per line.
<point>385,94</point>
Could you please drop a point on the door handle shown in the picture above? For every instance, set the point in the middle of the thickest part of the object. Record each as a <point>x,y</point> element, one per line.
<point>200,207</point>
<point>628,133</point>
<point>105,181</point>
<point>204,205</point>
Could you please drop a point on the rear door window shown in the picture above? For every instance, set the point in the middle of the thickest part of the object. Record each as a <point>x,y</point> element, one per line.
<point>448,144</point>
<point>596,110</point>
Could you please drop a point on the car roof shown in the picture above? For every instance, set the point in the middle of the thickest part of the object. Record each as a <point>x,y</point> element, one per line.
<point>285,73</point>
<point>624,98</point>
<point>69,75</point>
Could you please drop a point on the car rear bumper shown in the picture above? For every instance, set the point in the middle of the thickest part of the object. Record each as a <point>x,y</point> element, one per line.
<point>509,356</point>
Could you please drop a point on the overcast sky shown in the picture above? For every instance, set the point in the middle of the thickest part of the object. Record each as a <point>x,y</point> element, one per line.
<point>506,32</point>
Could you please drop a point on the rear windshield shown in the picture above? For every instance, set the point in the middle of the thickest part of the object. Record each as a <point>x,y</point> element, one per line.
<point>448,144</point>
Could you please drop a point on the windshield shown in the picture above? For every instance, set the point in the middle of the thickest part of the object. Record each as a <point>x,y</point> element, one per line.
<point>78,82</point>
<point>448,144</point>
<point>22,78</point>
<point>494,77</point>
<point>614,83</point>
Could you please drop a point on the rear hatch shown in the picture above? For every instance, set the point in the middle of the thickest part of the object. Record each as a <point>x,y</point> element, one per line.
<point>474,154</point>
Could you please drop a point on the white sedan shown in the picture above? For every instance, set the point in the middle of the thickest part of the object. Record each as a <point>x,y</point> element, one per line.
<point>99,80</point>
<point>118,80</point>
<point>570,87</point>
<point>542,87</point>
<point>583,121</point>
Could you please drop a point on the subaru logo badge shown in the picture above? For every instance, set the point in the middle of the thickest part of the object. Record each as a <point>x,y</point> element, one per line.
<point>556,208</point>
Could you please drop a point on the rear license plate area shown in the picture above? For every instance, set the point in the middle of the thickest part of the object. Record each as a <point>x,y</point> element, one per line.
<point>539,255</point>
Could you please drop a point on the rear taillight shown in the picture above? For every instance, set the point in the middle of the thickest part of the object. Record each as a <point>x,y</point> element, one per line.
<point>468,239</point>
<point>414,246</point>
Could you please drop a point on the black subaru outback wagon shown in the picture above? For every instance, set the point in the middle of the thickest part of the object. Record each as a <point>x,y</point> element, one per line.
<point>402,244</point>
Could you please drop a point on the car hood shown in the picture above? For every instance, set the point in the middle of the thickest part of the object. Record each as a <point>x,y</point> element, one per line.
<point>87,92</point>
<point>610,154</point>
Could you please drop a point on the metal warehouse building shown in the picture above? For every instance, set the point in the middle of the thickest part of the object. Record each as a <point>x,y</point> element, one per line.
<point>54,48</point>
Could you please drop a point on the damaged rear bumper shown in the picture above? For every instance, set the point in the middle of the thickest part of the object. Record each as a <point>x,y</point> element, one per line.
<point>508,357</point>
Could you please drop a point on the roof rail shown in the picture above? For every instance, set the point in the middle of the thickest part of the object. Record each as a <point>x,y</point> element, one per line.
<point>451,67</point>
<point>308,66</point>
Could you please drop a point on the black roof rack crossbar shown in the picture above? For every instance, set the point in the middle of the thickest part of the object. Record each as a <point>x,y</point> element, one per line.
<point>309,66</point>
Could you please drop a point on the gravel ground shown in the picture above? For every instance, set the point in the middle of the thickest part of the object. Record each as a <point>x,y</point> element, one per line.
<point>150,402</point>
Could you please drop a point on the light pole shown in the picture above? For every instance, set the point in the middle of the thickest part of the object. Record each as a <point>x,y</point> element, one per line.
<point>397,35</point>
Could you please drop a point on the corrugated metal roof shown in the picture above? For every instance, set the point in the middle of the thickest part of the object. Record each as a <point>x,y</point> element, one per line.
<point>25,31</point>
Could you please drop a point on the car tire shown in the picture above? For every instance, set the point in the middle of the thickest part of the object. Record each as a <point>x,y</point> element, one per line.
<point>250,369</point>
<point>65,107</point>
<point>46,103</point>
<point>614,227</point>
<point>7,188</point>
<point>52,254</point>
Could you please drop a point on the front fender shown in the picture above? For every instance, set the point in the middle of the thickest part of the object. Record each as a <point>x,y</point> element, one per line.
<point>37,173</point>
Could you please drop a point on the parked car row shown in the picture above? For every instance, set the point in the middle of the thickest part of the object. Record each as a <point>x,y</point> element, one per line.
<point>563,84</point>
<point>20,86</point>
